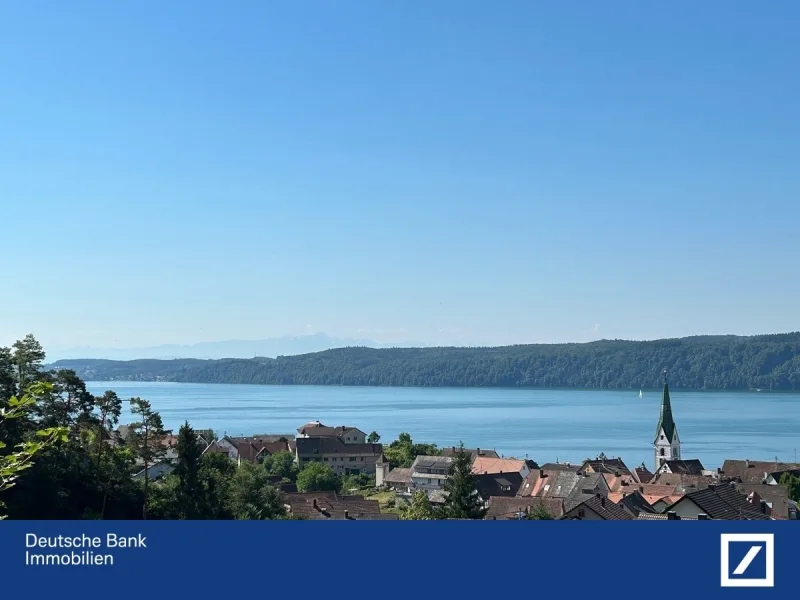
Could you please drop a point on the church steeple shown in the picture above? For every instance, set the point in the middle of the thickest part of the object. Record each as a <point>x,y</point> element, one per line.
<point>667,444</point>
<point>665,420</point>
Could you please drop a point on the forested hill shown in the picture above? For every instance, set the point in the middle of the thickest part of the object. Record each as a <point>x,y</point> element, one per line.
<point>770,362</point>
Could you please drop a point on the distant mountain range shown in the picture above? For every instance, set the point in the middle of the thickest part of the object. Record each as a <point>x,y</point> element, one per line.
<point>270,348</point>
<point>768,362</point>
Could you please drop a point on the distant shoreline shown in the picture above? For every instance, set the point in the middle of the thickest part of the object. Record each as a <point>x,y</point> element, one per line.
<point>646,391</point>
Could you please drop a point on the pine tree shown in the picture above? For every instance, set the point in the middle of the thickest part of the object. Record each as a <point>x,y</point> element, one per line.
<point>148,434</point>
<point>190,491</point>
<point>463,500</point>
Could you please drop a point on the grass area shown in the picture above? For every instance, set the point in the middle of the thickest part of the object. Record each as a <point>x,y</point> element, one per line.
<point>386,500</point>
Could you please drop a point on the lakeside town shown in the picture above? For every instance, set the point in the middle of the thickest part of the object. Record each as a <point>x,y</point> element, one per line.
<point>355,477</point>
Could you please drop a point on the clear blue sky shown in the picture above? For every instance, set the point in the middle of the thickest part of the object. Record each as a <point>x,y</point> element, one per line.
<point>474,172</point>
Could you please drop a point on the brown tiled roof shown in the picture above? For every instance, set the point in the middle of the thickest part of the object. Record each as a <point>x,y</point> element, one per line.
<point>724,502</point>
<point>683,483</point>
<point>451,452</point>
<point>324,506</point>
<point>485,464</point>
<point>642,475</point>
<point>751,471</point>
<point>603,507</point>
<point>561,467</point>
<point>508,508</point>
<point>497,484</point>
<point>621,482</point>
<point>399,476</point>
<point>775,495</point>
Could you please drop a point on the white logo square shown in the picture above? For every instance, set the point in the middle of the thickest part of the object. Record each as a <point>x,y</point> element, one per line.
<point>768,541</point>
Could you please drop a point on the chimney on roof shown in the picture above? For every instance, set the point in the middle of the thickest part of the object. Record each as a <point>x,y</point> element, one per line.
<point>454,449</point>
<point>346,514</point>
<point>315,503</point>
<point>641,489</point>
<point>702,517</point>
<point>602,501</point>
<point>541,473</point>
<point>479,451</point>
<point>747,463</point>
<point>672,516</point>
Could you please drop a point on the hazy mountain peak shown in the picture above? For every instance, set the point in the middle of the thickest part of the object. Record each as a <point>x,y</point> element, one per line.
<point>270,347</point>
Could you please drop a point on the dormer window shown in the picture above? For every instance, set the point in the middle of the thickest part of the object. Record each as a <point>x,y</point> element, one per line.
<point>662,437</point>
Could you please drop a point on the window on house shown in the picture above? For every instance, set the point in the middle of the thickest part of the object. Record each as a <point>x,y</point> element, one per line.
<point>662,437</point>
<point>662,452</point>
<point>581,513</point>
<point>325,459</point>
<point>362,459</point>
<point>352,459</point>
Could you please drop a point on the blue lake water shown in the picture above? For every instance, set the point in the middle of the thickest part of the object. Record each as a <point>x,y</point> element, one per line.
<point>545,425</point>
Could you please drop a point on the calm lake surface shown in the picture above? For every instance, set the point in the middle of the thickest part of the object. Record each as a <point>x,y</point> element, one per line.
<point>545,425</point>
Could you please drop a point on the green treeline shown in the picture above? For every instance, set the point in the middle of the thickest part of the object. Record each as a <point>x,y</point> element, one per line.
<point>769,362</point>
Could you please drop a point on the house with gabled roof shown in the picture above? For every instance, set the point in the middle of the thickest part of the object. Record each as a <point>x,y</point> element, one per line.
<point>721,501</point>
<point>597,508</point>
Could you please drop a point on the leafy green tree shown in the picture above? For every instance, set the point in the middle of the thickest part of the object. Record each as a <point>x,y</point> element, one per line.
<point>18,460</point>
<point>540,513</point>
<point>373,438</point>
<point>252,496</point>
<point>146,439</point>
<point>316,477</point>
<point>463,500</point>
<point>403,451</point>
<point>792,484</point>
<point>189,493</point>
<point>281,464</point>
<point>357,481</point>
<point>420,509</point>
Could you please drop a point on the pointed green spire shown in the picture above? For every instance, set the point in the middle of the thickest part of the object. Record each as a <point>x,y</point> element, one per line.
<point>665,420</point>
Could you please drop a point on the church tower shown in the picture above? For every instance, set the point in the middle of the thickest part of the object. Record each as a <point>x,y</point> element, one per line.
<point>667,443</point>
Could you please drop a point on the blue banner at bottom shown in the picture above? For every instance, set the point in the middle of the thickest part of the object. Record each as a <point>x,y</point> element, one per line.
<point>420,559</point>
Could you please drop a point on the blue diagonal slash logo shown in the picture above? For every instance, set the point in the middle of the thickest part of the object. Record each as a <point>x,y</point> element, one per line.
<point>747,560</point>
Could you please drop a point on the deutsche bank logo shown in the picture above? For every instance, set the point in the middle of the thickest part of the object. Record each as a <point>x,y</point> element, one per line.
<point>748,560</point>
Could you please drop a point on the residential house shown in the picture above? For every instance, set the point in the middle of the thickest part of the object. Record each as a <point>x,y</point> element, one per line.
<point>643,474</point>
<point>671,516</point>
<point>682,467</point>
<point>610,466</point>
<point>557,466</point>
<point>569,486</point>
<point>684,483</point>
<point>428,473</point>
<point>632,501</point>
<point>721,501</point>
<point>597,508</point>
<point>483,465</point>
<point>497,485</point>
<point>251,449</point>
<point>321,506</point>
<point>343,457</point>
<point>399,480</point>
<point>348,435</point>
<point>505,508</point>
<point>156,471</point>
<point>776,497</point>
<point>451,452</point>
<point>750,471</point>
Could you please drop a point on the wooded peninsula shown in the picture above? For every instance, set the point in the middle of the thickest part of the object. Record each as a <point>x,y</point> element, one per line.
<point>766,362</point>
